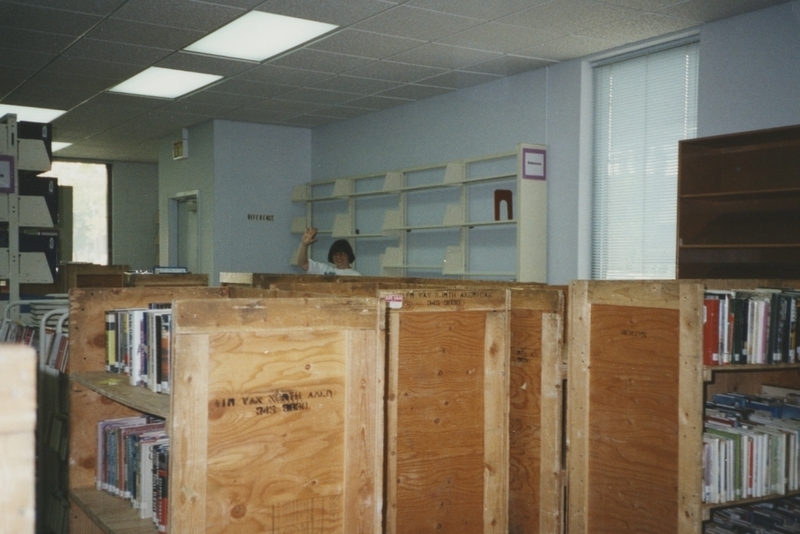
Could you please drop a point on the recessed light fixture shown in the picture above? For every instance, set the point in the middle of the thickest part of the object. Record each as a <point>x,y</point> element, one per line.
<point>30,114</point>
<point>257,36</point>
<point>56,145</point>
<point>159,82</point>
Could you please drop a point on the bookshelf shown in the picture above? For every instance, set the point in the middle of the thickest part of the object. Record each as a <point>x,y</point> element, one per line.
<point>95,395</point>
<point>738,198</point>
<point>476,218</point>
<point>236,464</point>
<point>637,387</point>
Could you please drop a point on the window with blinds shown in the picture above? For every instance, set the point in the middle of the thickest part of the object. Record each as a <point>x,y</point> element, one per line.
<point>643,106</point>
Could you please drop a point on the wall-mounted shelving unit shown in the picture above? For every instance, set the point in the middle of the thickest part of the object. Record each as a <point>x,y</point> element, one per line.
<point>738,199</point>
<point>483,217</point>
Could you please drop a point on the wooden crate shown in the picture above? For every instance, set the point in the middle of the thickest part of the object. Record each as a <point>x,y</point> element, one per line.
<point>17,442</point>
<point>535,478</point>
<point>276,416</point>
<point>636,392</point>
<point>447,411</point>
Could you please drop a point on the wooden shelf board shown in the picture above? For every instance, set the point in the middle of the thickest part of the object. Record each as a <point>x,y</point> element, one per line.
<point>116,387</point>
<point>736,195</point>
<point>111,514</point>
<point>708,508</point>
<point>741,245</point>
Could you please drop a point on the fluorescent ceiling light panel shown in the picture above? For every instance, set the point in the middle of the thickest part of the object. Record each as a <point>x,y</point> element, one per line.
<point>29,114</point>
<point>164,83</point>
<point>257,36</point>
<point>56,145</point>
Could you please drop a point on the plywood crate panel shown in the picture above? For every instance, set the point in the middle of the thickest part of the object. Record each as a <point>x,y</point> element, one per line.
<point>17,440</point>
<point>277,419</point>
<point>447,411</point>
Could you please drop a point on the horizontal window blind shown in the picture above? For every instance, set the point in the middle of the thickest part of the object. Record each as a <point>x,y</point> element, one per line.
<point>643,107</point>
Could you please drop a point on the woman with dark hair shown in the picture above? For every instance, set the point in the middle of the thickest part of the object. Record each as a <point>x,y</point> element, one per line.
<point>340,257</point>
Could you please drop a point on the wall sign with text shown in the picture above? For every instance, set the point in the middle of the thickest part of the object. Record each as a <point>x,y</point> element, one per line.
<point>534,164</point>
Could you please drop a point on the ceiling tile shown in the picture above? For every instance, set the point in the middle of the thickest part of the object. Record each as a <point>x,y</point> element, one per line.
<point>296,77</point>
<point>564,48</point>
<point>118,52</point>
<point>309,121</point>
<point>365,44</point>
<point>396,72</point>
<point>187,14</point>
<point>222,99</point>
<point>638,28</point>
<point>34,41</point>
<point>339,12</point>
<point>244,87</point>
<point>139,33</point>
<point>106,70</point>
<point>317,96</point>
<point>12,78</point>
<point>321,61</point>
<point>256,115</point>
<point>42,19</point>
<point>502,38</point>
<point>444,56</point>
<point>569,16</point>
<point>342,112</point>
<point>645,5</point>
<point>294,107</point>
<point>703,10</point>
<point>416,92</point>
<point>510,65</point>
<point>460,79</point>
<point>91,118</point>
<point>94,7</point>
<point>24,59</point>
<point>351,84</point>
<point>416,23</point>
<point>480,9</point>
<point>378,102</point>
<point>123,101</point>
<point>242,4</point>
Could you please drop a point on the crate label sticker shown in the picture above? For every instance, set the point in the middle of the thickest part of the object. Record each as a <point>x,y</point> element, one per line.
<point>395,302</point>
<point>273,402</point>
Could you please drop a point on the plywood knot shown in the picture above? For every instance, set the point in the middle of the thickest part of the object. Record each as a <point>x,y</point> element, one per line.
<point>238,511</point>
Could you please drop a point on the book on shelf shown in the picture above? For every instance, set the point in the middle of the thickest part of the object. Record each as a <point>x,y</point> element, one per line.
<point>127,460</point>
<point>757,326</point>
<point>136,345</point>
<point>750,447</point>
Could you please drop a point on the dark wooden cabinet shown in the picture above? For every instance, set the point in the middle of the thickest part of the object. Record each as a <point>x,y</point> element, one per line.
<point>739,205</point>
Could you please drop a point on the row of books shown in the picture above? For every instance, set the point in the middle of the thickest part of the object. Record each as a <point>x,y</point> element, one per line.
<point>774,517</point>
<point>138,345</point>
<point>133,462</point>
<point>751,445</point>
<point>56,344</point>
<point>750,326</point>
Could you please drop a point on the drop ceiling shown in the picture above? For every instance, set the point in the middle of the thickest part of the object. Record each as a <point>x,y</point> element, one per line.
<point>66,55</point>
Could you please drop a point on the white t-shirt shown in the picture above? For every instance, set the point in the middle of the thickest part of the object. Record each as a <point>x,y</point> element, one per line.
<point>316,267</point>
